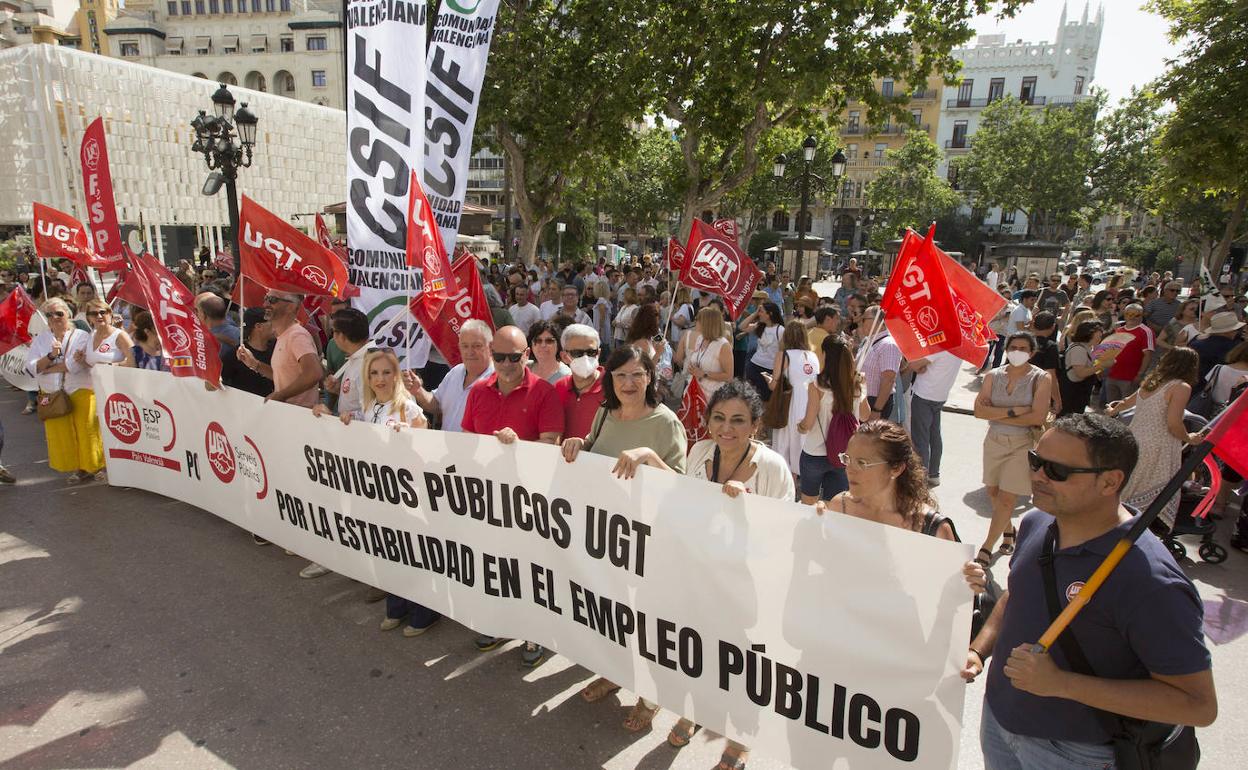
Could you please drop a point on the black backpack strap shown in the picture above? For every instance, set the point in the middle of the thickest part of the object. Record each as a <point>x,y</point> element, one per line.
<point>932,521</point>
<point>1069,644</point>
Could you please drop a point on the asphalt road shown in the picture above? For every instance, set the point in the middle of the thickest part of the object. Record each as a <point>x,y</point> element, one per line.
<point>141,631</point>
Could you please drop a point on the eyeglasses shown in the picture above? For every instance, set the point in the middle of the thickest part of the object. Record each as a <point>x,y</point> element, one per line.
<point>593,352</point>
<point>100,313</point>
<point>630,376</point>
<point>858,463</point>
<point>272,300</point>
<point>512,357</point>
<point>1057,471</point>
<point>56,314</point>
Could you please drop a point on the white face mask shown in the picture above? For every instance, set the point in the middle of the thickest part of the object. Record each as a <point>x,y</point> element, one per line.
<point>1018,357</point>
<point>584,366</point>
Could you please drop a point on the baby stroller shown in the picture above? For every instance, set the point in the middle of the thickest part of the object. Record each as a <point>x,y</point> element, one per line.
<point>1196,498</point>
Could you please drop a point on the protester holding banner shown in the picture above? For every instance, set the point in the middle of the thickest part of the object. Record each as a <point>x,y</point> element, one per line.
<point>109,344</point>
<point>451,395</point>
<point>1014,399</point>
<point>66,401</point>
<point>350,331</point>
<point>1144,660</point>
<point>259,343</point>
<point>581,392</point>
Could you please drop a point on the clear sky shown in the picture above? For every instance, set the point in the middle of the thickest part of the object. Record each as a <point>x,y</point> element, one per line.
<point>1133,44</point>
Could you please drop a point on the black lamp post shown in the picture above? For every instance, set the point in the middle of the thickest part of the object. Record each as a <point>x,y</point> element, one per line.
<point>226,141</point>
<point>808,156</point>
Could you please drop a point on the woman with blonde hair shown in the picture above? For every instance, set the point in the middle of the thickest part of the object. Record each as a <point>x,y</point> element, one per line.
<point>384,399</point>
<point>73,437</point>
<point>706,351</point>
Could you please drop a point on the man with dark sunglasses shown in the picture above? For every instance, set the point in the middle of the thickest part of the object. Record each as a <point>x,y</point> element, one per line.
<point>1140,636</point>
<point>513,403</point>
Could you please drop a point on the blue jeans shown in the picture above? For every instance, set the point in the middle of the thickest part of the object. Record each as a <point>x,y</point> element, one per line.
<point>817,476</point>
<point>925,431</point>
<point>1004,750</point>
<point>418,615</point>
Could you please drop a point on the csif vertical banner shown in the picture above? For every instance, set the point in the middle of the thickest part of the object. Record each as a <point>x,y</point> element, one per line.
<point>385,143</point>
<point>458,52</point>
<point>97,184</point>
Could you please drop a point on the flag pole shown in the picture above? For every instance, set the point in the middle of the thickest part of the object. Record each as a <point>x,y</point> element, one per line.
<point>671,310</point>
<point>43,277</point>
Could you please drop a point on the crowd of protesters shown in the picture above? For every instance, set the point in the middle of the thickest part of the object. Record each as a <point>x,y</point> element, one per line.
<point>808,398</point>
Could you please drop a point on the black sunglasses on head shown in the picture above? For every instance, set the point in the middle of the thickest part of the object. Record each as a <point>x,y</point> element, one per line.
<point>512,357</point>
<point>1057,471</point>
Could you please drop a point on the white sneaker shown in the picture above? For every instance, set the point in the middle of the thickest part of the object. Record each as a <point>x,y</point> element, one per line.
<point>313,570</point>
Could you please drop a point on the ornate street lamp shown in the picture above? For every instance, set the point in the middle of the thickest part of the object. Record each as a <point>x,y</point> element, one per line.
<point>809,147</point>
<point>226,141</point>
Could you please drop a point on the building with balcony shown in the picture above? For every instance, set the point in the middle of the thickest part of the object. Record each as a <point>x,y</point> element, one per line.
<point>1037,74</point>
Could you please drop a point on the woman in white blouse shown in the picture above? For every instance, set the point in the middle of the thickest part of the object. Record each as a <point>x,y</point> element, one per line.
<point>74,444</point>
<point>706,351</point>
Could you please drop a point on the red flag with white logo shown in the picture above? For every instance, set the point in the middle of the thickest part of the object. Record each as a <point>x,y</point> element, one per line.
<point>60,236</point>
<point>322,237</point>
<point>443,324</point>
<point>975,302</point>
<point>15,313</point>
<point>728,227</point>
<point>77,276</point>
<point>223,262</point>
<point>189,347</point>
<point>692,407</point>
<point>97,184</point>
<point>126,289</point>
<point>277,255</point>
<point>675,255</point>
<point>918,305</point>
<point>425,249</point>
<point>715,263</point>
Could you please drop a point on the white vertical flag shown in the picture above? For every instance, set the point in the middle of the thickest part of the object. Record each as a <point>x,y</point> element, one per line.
<point>457,57</point>
<point>385,112</point>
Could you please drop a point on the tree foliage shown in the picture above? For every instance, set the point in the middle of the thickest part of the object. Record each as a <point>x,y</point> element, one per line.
<point>909,192</point>
<point>1037,161</point>
<point>639,194</point>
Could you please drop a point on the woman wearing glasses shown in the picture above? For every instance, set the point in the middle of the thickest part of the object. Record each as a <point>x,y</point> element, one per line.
<point>637,430</point>
<point>74,445</point>
<point>544,342</point>
<point>1158,426</point>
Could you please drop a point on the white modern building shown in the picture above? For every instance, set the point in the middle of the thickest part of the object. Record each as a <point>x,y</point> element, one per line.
<point>1038,74</point>
<point>49,94</point>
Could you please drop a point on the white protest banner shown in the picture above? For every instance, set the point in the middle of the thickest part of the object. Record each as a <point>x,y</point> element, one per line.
<point>458,52</point>
<point>806,638</point>
<point>385,112</point>
<point>13,363</point>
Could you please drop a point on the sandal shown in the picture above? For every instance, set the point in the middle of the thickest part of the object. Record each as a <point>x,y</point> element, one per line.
<point>598,689</point>
<point>682,732</point>
<point>640,717</point>
<point>1007,542</point>
<point>981,561</point>
<point>730,761</point>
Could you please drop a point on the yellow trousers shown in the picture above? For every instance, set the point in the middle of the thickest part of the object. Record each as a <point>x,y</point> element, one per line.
<point>74,440</point>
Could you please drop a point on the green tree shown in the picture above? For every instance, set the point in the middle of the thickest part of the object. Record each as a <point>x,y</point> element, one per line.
<point>759,243</point>
<point>1128,161</point>
<point>1205,140</point>
<point>545,103</point>
<point>730,72</point>
<point>639,193</point>
<point>1037,162</point>
<point>909,193</point>
<point>1146,252</point>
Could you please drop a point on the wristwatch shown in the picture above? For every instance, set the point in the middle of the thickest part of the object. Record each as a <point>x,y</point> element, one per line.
<point>1010,412</point>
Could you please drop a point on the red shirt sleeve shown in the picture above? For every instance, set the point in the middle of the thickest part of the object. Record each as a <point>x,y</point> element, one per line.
<point>550,416</point>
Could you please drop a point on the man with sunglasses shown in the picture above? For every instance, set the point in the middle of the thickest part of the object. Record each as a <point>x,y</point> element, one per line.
<point>1160,310</point>
<point>1140,636</point>
<point>513,403</point>
<point>296,365</point>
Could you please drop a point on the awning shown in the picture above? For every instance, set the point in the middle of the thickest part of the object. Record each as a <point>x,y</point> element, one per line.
<point>173,44</point>
<point>260,42</point>
<point>203,41</point>
<point>231,41</point>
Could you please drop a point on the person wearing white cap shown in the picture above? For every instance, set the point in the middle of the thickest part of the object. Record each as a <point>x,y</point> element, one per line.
<point>1222,335</point>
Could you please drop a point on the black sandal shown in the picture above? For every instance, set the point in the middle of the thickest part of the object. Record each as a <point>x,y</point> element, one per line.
<point>985,563</point>
<point>1007,543</point>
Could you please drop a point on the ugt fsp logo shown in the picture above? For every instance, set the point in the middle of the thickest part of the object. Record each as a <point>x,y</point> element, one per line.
<point>122,418</point>
<point>220,453</point>
<point>713,264</point>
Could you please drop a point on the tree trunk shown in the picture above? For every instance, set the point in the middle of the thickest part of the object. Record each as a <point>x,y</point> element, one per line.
<point>1228,236</point>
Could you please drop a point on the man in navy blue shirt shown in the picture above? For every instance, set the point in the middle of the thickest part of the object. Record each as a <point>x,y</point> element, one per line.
<point>1141,633</point>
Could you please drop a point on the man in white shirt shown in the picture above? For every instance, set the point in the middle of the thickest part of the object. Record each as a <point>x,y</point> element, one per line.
<point>934,378</point>
<point>994,275</point>
<point>1020,317</point>
<point>451,395</point>
<point>523,312</point>
<point>567,307</point>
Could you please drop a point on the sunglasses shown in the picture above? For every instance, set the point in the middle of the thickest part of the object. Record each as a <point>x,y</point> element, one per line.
<point>1057,471</point>
<point>578,353</point>
<point>56,314</point>
<point>100,313</point>
<point>271,300</point>
<point>545,341</point>
<point>512,357</point>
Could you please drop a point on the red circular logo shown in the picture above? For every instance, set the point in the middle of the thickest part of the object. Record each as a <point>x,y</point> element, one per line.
<point>808,369</point>
<point>220,453</point>
<point>1073,589</point>
<point>122,418</point>
<point>179,342</point>
<point>104,348</point>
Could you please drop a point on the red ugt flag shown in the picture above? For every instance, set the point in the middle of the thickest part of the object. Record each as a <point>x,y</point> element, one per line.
<point>692,407</point>
<point>1230,436</point>
<point>974,302</point>
<point>425,249</point>
<point>189,347</point>
<point>15,313</point>
<point>276,255</point>
<point>97,183</point>
<point>675,255</point>
<point>126,289</point>
<point>716,263</point>
<point>918,305</point>
<point>444,323</point>
<point>60,236</point>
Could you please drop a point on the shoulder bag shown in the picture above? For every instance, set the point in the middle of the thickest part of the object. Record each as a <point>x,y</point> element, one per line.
<point>1202,402</point>
<point>49,406</point>
<point>1138,744</point>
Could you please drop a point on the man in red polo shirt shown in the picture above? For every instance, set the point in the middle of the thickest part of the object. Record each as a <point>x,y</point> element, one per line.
<point>580,393</point>
<point>513,403</point>
<point>1132,361</point>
